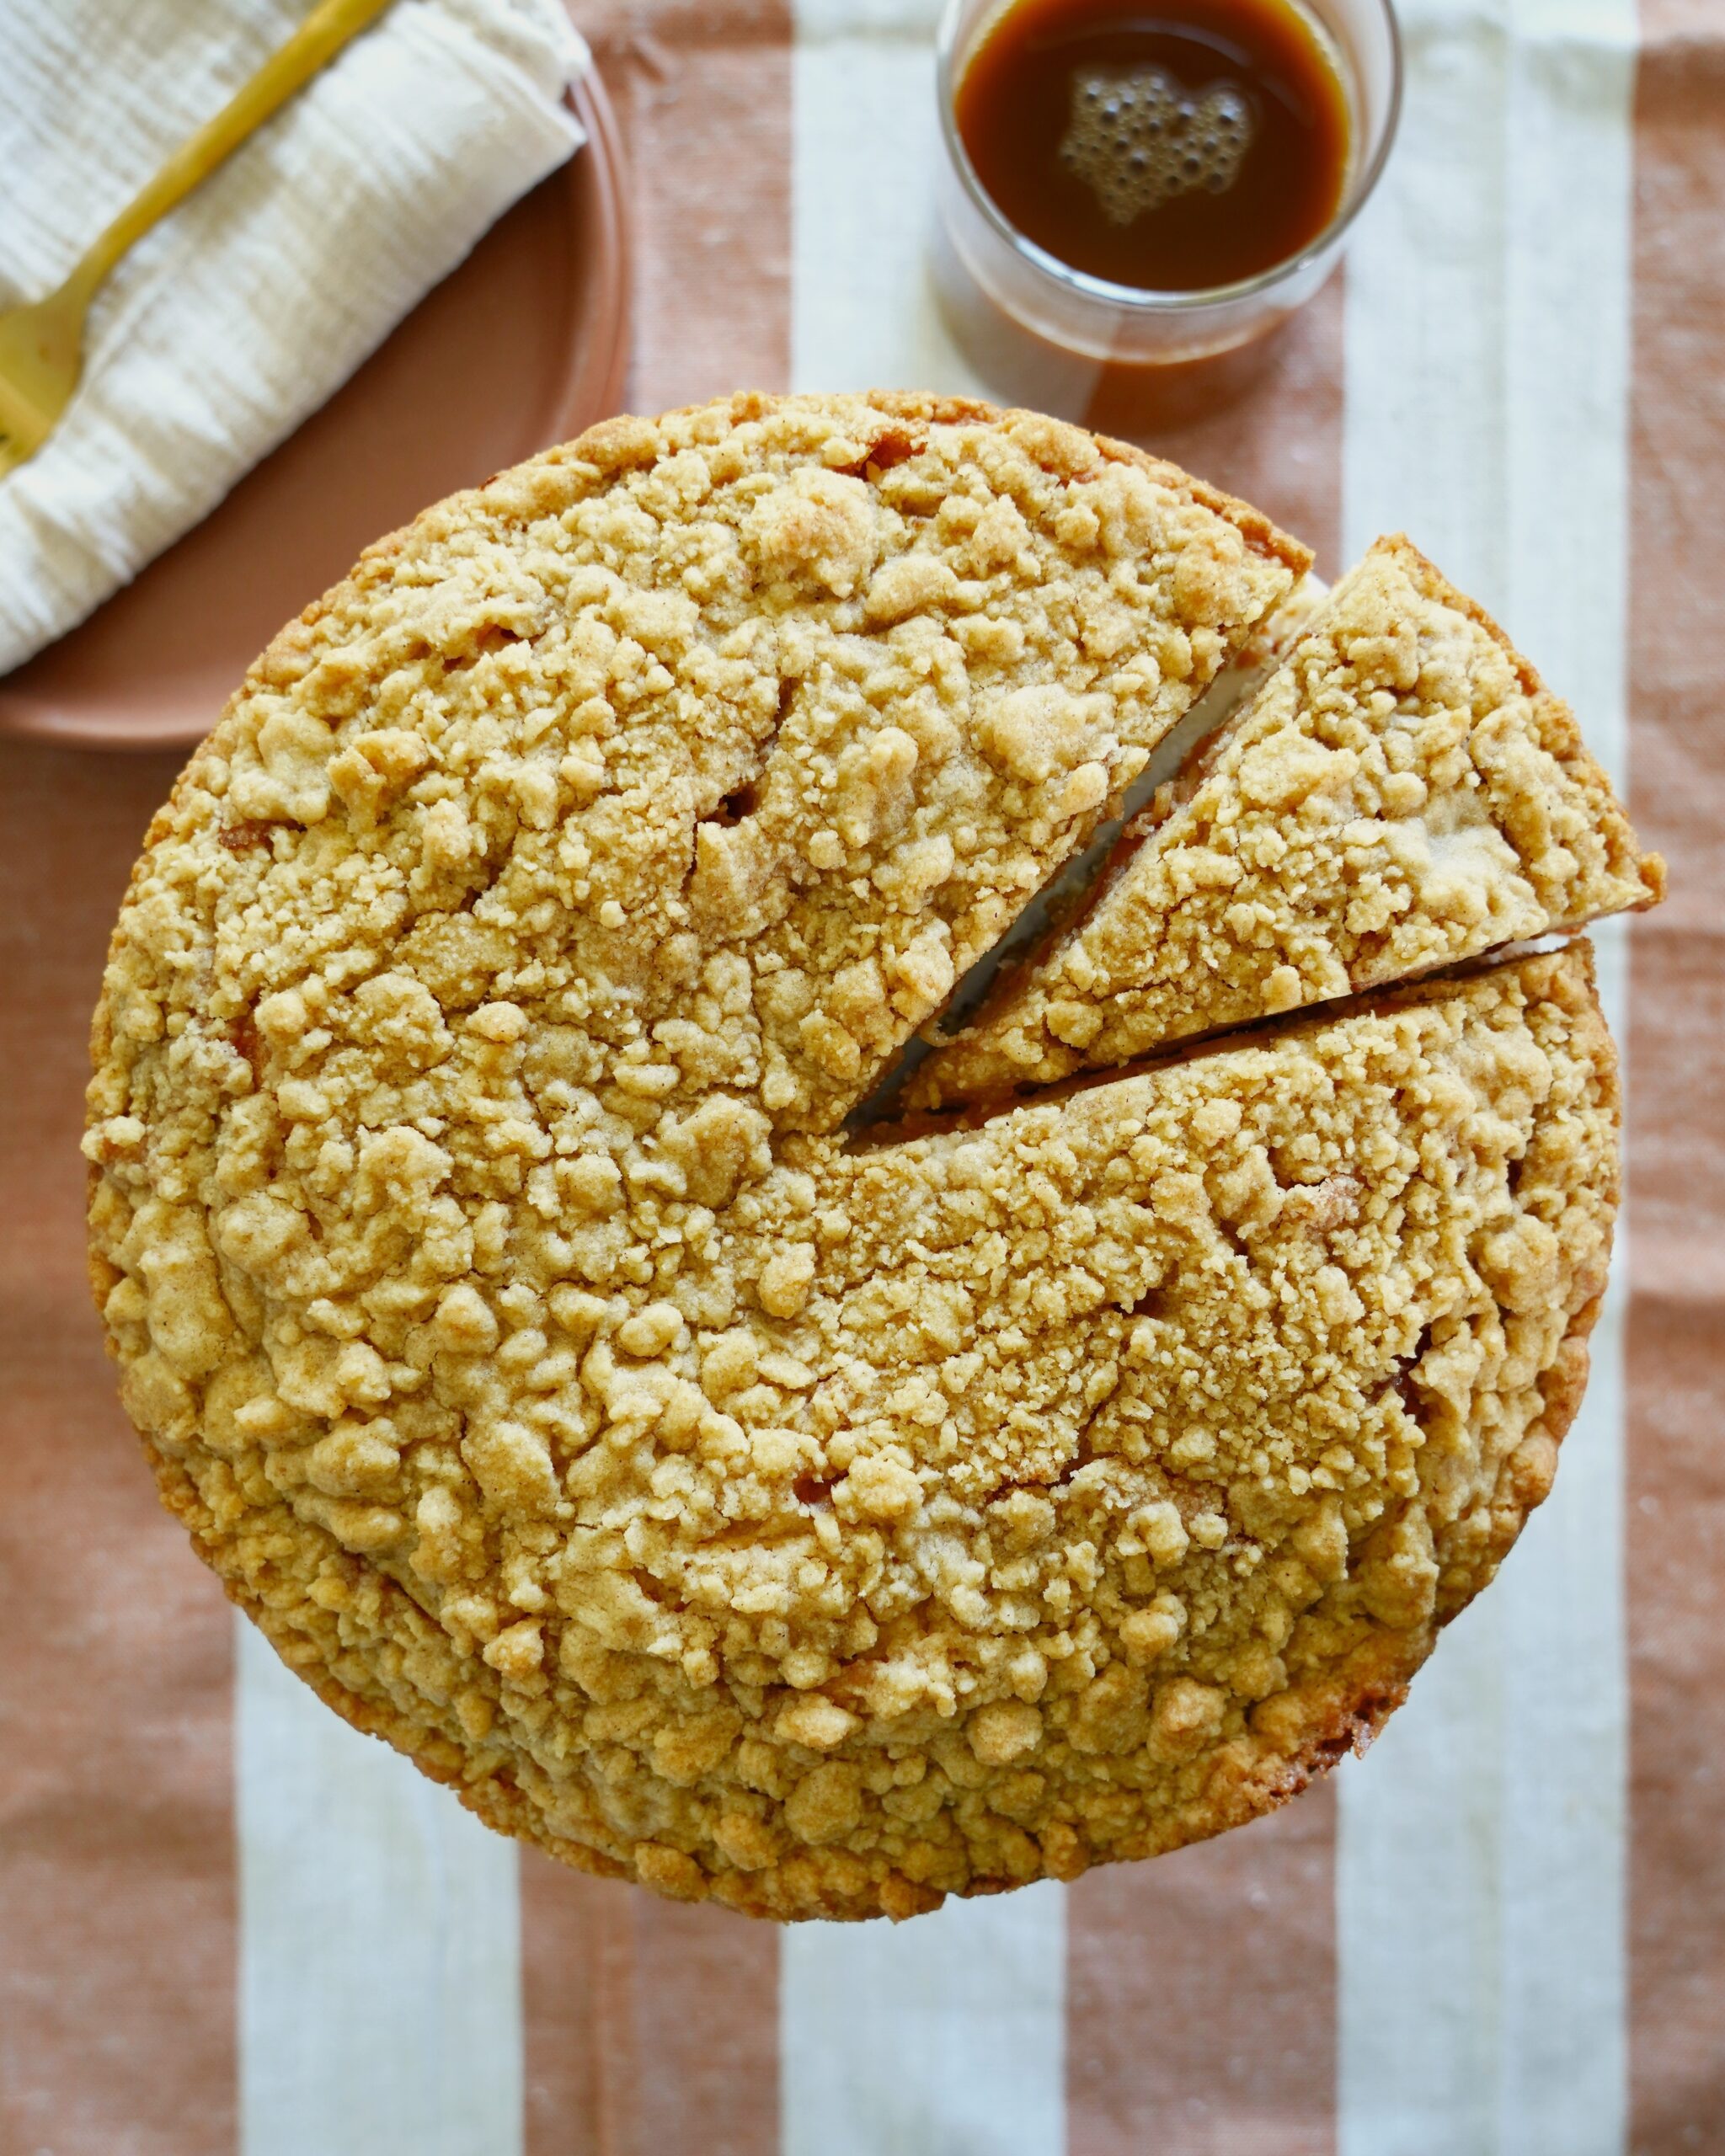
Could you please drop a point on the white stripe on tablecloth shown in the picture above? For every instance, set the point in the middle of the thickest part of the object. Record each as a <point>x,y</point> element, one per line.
<point>940,2037</point>
<point>1481,1864</point>
<point>380,1953</point>
<point>865,142</point>
<point>946,2037</point>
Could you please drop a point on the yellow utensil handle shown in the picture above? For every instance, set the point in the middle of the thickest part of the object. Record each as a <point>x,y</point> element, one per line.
<point>323,34</point>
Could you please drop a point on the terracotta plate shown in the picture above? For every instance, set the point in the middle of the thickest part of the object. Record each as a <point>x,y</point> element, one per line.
<point>525,344</point>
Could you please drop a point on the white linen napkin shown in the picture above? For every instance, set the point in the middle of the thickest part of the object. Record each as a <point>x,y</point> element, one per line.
<point>256,298</point>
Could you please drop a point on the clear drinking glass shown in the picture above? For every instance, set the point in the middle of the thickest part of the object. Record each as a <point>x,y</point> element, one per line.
<point>984,268</point>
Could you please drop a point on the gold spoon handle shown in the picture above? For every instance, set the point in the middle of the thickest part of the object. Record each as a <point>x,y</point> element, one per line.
<point>322,33</point>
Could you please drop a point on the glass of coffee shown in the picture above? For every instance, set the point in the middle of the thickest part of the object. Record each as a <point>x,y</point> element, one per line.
<point>1143,183</point>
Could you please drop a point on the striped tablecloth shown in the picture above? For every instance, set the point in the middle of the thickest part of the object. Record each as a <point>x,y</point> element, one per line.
<point>228,1924</point>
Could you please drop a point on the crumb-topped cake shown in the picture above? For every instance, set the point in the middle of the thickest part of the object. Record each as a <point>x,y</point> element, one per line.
<point>820,1523</point>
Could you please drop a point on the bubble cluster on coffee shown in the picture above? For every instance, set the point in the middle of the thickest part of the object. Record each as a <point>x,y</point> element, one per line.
<point>1137,138</point>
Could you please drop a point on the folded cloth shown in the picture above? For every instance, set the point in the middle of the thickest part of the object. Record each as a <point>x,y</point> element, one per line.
<point>255,299</point>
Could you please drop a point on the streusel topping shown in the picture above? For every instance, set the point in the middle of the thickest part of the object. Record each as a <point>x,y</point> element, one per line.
<point>818,1529</point>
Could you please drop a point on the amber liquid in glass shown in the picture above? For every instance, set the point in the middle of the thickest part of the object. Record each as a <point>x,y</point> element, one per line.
<point>1174,145</point>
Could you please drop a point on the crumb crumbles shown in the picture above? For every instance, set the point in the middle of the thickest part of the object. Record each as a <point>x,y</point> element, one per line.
<point>715,1501</point>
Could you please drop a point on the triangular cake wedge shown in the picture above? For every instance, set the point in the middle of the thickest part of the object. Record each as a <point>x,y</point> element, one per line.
<point>1403,793</point>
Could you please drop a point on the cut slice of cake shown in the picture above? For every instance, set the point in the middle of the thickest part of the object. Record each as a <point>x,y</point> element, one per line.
<point>1403,792</point>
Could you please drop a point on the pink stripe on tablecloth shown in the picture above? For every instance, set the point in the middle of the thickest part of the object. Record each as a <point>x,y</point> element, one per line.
<point>646,2024</point>
<point>703,91</point>
<point>117,1902</point>
<point>1676,1095</point>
